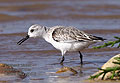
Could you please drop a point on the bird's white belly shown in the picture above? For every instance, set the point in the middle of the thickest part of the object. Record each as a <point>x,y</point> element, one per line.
<point>70,46</point>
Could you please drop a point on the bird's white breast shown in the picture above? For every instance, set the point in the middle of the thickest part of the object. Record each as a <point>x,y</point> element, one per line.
<point>70,46</point>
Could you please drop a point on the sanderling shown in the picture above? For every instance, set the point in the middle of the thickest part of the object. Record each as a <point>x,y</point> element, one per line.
<point>63,38</point>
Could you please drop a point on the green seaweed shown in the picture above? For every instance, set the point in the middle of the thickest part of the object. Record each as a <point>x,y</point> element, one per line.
<point>109,43</point>
<point>114,70</point>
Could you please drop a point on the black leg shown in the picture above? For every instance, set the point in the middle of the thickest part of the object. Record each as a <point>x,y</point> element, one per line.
<point>81,57</point>
<point>63,58</point>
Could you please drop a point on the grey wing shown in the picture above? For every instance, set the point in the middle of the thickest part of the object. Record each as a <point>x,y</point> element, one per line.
<point>69,34</point>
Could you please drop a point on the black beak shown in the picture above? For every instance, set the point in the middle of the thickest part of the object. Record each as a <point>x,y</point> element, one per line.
<point>22,40</point>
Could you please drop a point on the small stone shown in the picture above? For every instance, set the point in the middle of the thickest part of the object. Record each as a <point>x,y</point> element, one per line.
<point>65,69</point>
<point>7,70</point>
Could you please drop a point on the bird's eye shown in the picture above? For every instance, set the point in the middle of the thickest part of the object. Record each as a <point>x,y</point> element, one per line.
<point>31,30</point>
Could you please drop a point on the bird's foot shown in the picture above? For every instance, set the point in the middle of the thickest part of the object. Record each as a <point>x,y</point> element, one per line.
<point>81,62</point>
<point>61,62</point>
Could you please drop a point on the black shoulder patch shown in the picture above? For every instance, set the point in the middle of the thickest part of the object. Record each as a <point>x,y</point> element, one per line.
<point>53,35</point>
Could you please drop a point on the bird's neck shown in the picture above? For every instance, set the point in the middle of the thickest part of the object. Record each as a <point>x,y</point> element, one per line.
<point>45,32</point>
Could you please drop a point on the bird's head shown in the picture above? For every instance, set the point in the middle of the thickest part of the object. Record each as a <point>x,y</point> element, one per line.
<point>34,31</point>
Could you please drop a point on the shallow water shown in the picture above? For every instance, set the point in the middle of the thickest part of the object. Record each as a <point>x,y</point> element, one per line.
<point>39,59</point>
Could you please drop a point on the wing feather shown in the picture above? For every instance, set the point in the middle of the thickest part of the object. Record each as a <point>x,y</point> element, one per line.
<point>69,34</point>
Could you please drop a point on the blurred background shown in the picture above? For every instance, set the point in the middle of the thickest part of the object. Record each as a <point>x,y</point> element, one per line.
<point>39,59</point>
<point>84,14</point>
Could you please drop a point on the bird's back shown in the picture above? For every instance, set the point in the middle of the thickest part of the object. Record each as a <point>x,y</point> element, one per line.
<point>71,34</point>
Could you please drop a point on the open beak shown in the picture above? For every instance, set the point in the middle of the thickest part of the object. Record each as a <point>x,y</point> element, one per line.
<point>22,40</point>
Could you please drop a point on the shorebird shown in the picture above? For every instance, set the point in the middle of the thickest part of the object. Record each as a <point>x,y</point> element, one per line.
<point>63,38</point>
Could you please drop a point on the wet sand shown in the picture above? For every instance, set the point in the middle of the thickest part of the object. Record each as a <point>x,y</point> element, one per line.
<point>39,59</point>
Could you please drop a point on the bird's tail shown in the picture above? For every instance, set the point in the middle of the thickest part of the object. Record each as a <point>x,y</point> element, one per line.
<point>95,38</point>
